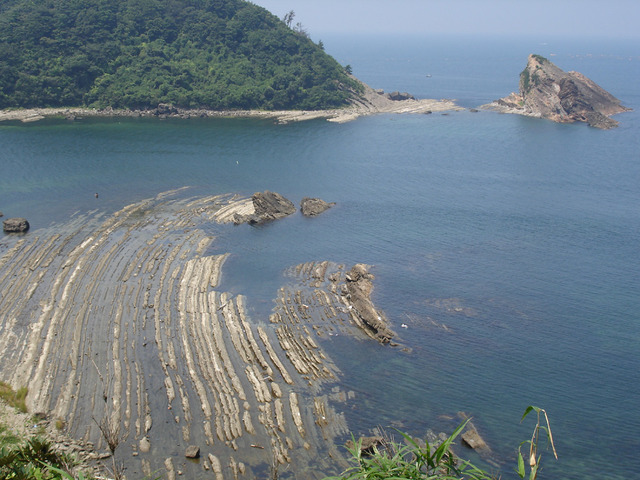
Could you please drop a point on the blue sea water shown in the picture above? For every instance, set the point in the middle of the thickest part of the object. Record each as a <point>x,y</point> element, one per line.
<point>508,246</point>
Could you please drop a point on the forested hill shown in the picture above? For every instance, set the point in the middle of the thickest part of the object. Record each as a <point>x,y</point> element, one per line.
<point>216,54</point>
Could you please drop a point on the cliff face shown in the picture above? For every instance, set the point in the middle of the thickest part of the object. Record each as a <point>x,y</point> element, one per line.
<point>547,91</point>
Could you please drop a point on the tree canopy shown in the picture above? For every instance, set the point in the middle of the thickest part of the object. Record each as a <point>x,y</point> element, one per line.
<point>216,54</point>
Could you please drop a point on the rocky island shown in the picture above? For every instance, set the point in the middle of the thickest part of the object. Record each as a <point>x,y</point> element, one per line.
<point>547,91</point>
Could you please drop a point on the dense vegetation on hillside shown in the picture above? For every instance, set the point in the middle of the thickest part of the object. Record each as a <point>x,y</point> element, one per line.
<point>219,54</point>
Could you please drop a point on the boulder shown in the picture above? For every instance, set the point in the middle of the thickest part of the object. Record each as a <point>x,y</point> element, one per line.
<point>399,96</point>
<point>192,451</point>
<point>15,225</point>
<point>310,207</point>
<point>271,206</point>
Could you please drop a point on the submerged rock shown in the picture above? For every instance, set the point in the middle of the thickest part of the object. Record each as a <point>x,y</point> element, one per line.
<point>547,91</point>
<point>310,207</point>
<point>471,438</point>
<point>15,225</point>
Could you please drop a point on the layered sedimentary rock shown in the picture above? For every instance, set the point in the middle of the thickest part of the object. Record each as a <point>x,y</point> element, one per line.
<point>119,321</point>
<point>267,206</point>
<point>547,91</point>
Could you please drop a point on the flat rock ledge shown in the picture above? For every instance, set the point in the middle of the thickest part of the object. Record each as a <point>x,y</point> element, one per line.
<point>15,225</point>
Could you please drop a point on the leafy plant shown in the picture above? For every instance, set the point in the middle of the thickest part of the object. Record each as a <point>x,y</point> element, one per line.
<point>411,461</point>
<point>534,457</point>
<point>36,459</point>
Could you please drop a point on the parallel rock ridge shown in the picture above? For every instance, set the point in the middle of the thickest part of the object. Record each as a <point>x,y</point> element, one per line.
<point>119,320</point>
<point>547,91</point>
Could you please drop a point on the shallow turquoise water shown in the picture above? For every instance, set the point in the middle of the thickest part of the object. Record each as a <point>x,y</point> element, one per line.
<point>520,236</point>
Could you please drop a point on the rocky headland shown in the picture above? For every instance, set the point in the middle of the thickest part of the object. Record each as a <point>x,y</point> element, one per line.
<point>546,91</point>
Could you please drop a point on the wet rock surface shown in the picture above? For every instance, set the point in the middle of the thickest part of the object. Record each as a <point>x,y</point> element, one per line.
<point>192,451</point>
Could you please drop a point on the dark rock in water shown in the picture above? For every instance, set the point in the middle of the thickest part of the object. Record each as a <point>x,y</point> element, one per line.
<point>367,444</point>
<point>310,207</point>
<point>398,96</point>
<point>15,225</point>
<point>357,292</point>
<point>1,214</point>
<point>547,91</point>
<point>271,206</point>
<point>192,451</point>
<point>267,206</point>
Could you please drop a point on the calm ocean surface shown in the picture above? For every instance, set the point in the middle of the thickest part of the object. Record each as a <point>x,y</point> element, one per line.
<point>509,246</point>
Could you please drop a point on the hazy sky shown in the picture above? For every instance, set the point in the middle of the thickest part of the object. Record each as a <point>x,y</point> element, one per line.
<point>545,17</point>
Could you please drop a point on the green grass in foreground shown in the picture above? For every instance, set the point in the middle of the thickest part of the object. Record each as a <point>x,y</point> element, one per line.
<point>414,461</point>
<point>15,399</point>
<point>411,461</point>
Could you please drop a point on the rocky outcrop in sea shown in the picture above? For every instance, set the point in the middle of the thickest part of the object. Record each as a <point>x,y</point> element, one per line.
<point>310,207</point>
<point>15,225</point>
<point>547,91</point>
<point>266,206</point>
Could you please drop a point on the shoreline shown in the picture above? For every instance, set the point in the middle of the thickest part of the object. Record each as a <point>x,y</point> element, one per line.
<point>372,102</point>
<point>423,106</point>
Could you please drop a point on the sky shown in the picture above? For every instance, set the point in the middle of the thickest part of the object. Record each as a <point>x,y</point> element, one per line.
<point>609,18</point>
